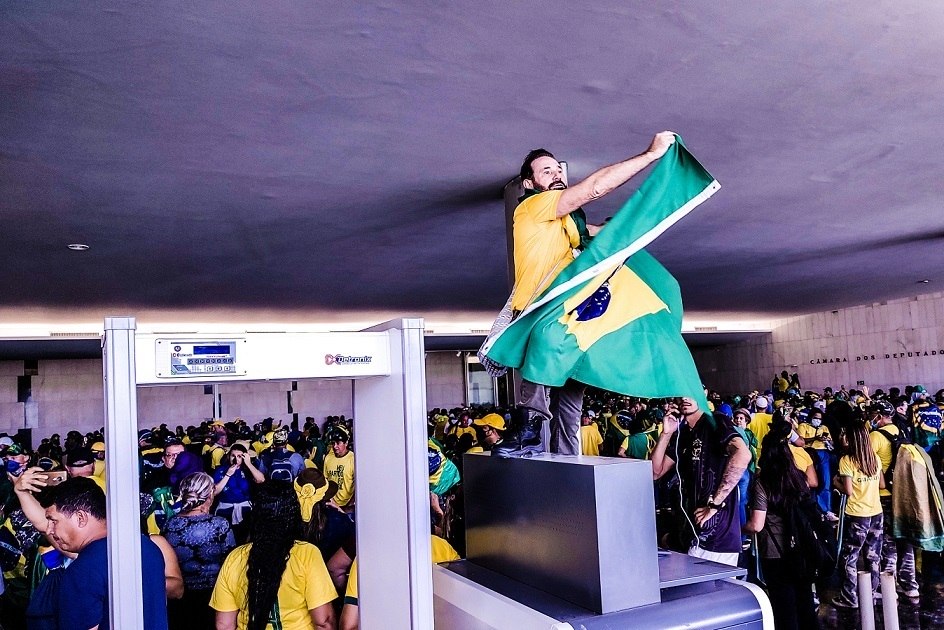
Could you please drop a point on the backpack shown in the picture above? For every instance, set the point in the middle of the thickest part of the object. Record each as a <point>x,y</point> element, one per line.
<point>810,547</point>
<point>279,467</point>
<point>896,441</point>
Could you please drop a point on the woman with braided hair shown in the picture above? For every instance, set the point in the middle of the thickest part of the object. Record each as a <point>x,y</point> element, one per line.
<point>201,542</point>
<point>275,581</point>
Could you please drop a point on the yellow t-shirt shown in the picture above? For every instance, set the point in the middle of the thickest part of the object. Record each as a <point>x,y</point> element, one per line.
<point>216,456</point>
<point>460,430</point>
<point>305,585</point>
<point>441,550</point>
<point>590,439</point>
<point>801,458</point>
<point>864,499</point>
<point>99,470</point>
<point>543,245</point>
<point>341,472</point>
<point>883,450</point>
<point>99,481</point>
<point>807,431</point>
<point>760,426</point>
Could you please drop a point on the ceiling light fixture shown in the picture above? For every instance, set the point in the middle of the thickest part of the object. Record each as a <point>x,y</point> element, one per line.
<point>925,281</point>
<point>78,247</point>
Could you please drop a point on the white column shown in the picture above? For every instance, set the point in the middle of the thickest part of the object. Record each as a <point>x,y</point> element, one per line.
<point>395,589</point>
<point>121,462</point>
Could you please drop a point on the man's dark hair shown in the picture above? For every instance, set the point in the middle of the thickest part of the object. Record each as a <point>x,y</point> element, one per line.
<point>526,171</point>
<point>79,494</point>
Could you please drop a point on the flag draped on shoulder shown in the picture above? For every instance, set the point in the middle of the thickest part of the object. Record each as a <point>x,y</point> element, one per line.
<point>613,317</point>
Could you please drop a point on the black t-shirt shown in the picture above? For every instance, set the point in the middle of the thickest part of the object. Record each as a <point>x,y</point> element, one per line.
<point>700,456</point>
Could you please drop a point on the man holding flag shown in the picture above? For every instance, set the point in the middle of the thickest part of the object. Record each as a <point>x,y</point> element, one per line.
<point>614,293</point>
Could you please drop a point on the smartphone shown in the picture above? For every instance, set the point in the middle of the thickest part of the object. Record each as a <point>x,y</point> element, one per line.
<point>54,477</point>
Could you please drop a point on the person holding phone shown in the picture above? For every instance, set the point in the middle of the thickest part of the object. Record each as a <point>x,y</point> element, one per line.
<point>709,457</point>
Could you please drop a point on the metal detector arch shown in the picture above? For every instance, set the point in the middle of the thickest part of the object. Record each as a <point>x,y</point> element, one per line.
<point>387,365</point>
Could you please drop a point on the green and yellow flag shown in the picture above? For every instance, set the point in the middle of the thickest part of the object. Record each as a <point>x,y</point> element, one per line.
<point>613,317</point>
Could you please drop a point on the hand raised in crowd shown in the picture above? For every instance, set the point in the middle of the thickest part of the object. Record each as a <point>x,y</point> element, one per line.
<point>32,480</point>
<point>670,423</point>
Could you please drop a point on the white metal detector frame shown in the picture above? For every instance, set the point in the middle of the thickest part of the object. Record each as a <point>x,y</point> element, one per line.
<point>393,529</point>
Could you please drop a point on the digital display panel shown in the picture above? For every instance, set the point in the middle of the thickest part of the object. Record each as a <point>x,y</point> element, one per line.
<point>200,358</point>
<point>211,350</point>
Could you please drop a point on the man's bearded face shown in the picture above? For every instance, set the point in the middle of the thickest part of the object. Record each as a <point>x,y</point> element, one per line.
<point>548,174</point>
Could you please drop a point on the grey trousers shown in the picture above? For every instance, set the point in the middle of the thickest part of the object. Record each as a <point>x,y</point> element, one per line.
<point>562,407</point>
<point>897,555</point>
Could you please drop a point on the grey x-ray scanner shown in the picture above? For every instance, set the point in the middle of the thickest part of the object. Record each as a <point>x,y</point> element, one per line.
<point>569,542</point>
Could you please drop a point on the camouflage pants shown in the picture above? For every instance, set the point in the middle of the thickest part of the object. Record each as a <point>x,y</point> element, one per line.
<point>862,534</point>
<point>897,555</point>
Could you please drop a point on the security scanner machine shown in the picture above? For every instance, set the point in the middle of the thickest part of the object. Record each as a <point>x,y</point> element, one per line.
<point>552,542</point>
<point>386,364</point>
<point>570,542</point>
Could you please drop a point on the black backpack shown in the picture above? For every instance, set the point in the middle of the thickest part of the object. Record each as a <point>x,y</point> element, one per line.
<point>896,441</point>
<point>809,551</point>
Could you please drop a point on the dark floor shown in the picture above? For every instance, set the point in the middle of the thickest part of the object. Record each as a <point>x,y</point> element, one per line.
<point>925,612</point>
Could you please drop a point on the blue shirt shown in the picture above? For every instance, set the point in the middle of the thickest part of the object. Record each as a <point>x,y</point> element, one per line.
<point>236,489</point>
<point>83,594</point>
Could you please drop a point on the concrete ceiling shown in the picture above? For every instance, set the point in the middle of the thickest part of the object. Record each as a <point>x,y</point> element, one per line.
<point>314,157</point>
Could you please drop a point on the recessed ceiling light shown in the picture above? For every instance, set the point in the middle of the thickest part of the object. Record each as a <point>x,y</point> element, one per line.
<point>78,247</point>
<point>922,281</point>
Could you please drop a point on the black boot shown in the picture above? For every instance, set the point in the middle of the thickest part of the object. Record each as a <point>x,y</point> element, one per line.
<point>524,441</point>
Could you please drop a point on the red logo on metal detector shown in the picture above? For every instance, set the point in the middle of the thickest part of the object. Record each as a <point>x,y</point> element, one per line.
<point>329,359</point>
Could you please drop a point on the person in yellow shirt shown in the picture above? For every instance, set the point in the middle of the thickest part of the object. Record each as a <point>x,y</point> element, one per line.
<point>860,479</point>
<point>549,225</point>
<point>442,551</point>
<point>79,462</point>
<point>760,422</point>
<point>819,444</point>
<point>590,438</point>
<point>898,555</point>
<point>489,429</point>
<point>804,462</point>
<point>276,581</point>
<point>463,427</point>
<point>98,452</point>
<point>339,468</point>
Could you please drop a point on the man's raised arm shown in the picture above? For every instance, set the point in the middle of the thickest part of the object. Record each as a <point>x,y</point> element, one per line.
<point>609,178</point>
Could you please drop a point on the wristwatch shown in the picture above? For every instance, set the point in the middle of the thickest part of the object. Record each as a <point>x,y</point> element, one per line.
<point>713,505</point>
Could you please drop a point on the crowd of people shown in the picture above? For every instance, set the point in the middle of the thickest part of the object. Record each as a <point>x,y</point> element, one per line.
<point>252,526</point>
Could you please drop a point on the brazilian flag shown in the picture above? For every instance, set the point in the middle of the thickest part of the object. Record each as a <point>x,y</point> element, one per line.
<point>613,317</point>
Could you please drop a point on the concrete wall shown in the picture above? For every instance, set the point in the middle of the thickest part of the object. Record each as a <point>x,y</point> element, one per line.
<point>886,344</point>
<point>67,394</point>
<point>445,380</point>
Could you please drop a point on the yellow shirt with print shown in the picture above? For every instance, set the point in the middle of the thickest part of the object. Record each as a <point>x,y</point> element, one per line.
<point>543,245</point>
<point>305,585</point>
<point>340,470</point>
<point>883,450</point>
<point>864,499</point>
